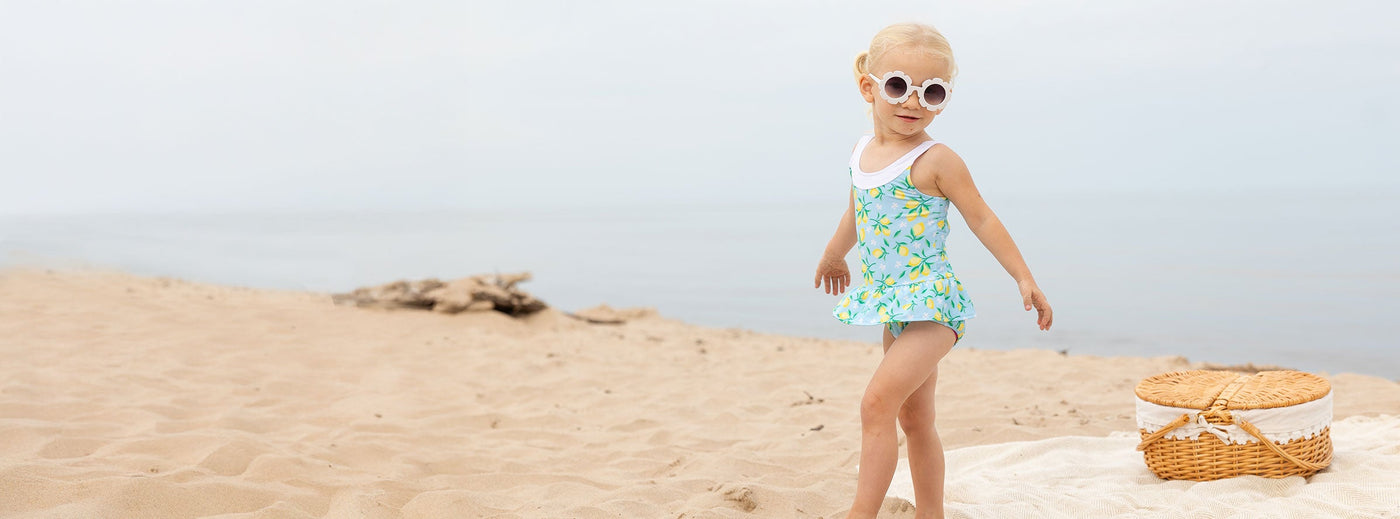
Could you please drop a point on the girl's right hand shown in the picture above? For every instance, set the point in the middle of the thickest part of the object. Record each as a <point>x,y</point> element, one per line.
<point>833,272</point>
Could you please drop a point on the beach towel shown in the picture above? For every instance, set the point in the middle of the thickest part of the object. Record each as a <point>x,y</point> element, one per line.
<point>1088,477</point>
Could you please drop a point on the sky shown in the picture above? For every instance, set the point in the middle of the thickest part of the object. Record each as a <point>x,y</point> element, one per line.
<point>223,106</point>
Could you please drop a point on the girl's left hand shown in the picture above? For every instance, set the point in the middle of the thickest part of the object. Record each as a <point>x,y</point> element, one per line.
<point>1032,296</point>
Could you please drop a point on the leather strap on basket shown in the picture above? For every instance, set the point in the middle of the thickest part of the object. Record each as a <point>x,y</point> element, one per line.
<point>1254,431</point>
<point>1243,424</point>
<point>1178,422</point>
<point>1217,414</point>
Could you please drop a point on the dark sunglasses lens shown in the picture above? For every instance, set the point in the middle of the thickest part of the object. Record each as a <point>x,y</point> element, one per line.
<point>935,94</point>
<point>896,87</point>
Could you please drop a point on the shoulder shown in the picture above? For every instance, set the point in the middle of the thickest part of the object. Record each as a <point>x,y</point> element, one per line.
<point>940,157</point>
<point>936,165</point>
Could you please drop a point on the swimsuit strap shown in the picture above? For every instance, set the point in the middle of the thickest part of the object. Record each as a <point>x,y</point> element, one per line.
<point>862,179</point>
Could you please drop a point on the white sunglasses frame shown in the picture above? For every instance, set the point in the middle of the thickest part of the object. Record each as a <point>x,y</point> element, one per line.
<point>880,86</point>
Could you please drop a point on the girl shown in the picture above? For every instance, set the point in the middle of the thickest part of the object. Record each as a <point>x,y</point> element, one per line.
<point>902,185</point>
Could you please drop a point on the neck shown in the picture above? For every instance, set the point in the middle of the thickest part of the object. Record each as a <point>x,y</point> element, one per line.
<point>885,136</point>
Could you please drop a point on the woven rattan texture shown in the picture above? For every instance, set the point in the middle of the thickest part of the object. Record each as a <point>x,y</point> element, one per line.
<point>1198,389</point>
<point>1208,458</point>
<point>1215,394</point>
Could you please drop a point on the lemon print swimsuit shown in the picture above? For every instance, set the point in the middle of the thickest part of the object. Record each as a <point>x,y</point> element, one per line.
<point>900,232</point>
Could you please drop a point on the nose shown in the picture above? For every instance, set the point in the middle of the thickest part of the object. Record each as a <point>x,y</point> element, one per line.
<point>912,103</point>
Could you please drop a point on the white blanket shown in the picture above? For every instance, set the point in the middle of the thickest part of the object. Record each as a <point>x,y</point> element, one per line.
<point>1089,477</point>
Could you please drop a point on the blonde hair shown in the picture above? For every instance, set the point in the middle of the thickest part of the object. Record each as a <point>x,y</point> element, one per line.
<point>916,35</point>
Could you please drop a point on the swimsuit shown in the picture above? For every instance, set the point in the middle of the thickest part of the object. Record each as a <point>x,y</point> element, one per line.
<point>900,232</point>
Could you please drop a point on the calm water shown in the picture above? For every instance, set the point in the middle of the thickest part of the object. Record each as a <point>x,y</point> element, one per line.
<point>1300,280</point>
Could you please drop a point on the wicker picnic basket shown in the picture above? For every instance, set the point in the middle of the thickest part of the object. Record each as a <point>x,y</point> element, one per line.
<point>1205,425</point>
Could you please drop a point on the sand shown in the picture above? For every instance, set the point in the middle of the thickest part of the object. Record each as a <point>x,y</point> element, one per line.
<point>125,396</point>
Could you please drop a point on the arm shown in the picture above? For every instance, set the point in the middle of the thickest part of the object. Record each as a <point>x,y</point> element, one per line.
<point>832,267</point>
<point>845,236</point>
<point>952,178</point>
<point>955,182</point>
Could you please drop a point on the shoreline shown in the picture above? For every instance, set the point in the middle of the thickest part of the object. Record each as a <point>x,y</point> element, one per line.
<point>208,399</point>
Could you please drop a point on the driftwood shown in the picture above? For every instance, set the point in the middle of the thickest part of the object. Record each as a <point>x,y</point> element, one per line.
<point>604,314</point>
<point>470,294</point>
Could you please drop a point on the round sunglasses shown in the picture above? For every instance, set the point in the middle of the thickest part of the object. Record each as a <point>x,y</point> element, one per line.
<point>895,87</point>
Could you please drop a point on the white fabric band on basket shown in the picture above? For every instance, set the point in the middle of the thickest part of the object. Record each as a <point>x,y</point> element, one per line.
<point>1280,424</point>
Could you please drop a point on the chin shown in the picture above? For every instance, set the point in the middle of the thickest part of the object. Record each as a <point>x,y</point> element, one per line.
<point>905,129</point>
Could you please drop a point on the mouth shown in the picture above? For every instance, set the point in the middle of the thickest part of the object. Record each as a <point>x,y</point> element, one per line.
<point>907,118</point>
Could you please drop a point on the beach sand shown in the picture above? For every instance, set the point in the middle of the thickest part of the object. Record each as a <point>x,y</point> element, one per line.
<point>125,396</point>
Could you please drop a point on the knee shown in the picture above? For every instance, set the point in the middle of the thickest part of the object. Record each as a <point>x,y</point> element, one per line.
<point>877,407</point>
<point>915,419</point>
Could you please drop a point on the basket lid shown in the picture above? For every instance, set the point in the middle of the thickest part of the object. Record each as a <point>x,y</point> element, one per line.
<point>1199,389</point>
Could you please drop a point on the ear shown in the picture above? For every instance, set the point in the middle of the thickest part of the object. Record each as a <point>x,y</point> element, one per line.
<point>867,88</point>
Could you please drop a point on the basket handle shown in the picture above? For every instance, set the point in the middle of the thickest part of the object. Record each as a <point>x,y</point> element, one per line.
<point>1251,429</point>
<point>1180,421</point>
<point>1248,427</point>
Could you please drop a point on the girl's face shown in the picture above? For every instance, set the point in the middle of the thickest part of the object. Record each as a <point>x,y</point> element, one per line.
<point>909,117</point>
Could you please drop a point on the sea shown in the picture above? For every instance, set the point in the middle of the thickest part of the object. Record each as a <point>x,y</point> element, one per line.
<point>1291,278</point>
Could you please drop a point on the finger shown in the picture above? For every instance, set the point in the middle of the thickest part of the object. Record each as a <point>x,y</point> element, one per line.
<point>827,282</point>
<point>817,280</point>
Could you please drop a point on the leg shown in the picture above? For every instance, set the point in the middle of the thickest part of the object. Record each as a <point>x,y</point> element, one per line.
<point>926,462</point>
<point>925,449</point>
<point>909,360</point>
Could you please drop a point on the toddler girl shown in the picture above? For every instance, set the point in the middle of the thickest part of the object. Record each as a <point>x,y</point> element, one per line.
<point>902,183</point>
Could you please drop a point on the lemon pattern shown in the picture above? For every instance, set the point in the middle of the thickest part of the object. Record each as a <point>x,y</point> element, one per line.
<point>904,268</point>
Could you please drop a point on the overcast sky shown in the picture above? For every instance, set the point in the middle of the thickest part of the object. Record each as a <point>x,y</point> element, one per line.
<point>255,105</point>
